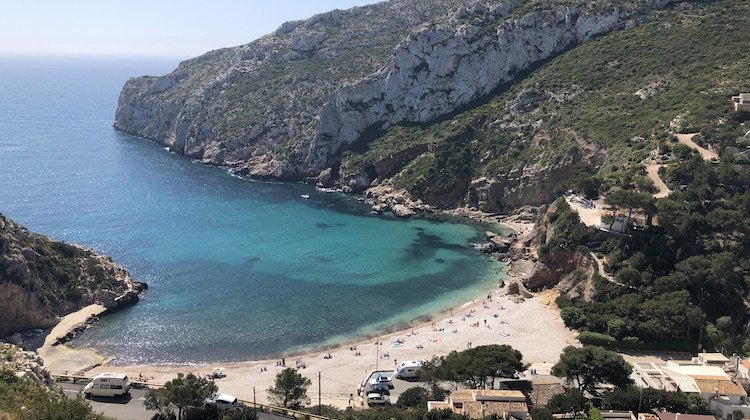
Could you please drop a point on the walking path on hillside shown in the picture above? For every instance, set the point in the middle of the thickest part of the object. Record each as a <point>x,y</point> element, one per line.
<point>653,174</point>
<point>600,266</point>
<point>687,139</point>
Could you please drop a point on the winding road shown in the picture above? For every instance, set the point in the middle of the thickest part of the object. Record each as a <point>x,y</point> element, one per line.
<point>687,139</point>
<point>653,174</point>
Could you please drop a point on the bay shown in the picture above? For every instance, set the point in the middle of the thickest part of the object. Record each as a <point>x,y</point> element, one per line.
<point>237,269</point>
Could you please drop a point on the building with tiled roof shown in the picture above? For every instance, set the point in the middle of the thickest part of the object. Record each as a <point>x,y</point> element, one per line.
<point>478,403</point>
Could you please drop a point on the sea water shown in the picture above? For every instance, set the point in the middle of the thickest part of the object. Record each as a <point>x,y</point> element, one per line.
<point>237,269</point>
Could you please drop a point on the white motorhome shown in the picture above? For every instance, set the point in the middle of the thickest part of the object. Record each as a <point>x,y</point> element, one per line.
<point>408,369</point>
<point>108,385</point>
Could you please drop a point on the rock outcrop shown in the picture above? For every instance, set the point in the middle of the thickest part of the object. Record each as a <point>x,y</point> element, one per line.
<point>568,271</point>
<point>454,61</point>
<point>24,364</point>
<point>288,104</point>
<point>389,198</point>
<point>42,280</point>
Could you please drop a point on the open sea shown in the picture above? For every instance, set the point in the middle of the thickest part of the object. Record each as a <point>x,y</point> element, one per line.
<point>237,269</point>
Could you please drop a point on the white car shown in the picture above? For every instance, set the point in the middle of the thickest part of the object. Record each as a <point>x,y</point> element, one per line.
<point>375,398</point>
<point>382,380</point>
<point>223,402</point>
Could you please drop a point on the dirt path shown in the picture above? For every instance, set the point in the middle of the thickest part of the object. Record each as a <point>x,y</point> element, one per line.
<point>653,174</point>
<point>687,139</point>
<point>600,266</point>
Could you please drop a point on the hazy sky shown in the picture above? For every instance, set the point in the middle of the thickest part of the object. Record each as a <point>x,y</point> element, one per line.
<point>182,28</point>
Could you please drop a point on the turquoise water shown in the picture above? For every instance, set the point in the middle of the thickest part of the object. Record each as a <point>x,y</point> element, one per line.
<point>238,269</point>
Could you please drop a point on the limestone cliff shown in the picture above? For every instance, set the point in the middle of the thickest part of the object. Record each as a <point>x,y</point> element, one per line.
<point>288,104</point>
<point>42,280</point>
<point>256,107</point>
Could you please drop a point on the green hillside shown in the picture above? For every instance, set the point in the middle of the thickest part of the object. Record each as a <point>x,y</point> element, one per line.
<point>686,62</point>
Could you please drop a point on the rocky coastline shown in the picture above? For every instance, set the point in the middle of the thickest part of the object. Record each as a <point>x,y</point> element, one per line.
<point>440,56</point>
<point>42,280</point>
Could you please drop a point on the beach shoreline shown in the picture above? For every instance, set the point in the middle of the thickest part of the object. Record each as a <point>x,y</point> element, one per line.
<point>532,326</point>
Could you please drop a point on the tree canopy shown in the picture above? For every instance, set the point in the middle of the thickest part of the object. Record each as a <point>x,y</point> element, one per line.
<point>182,392</point>
<point>592,365</point>
<point>477,367</point>
<point>415,397</point>
<point>649,399</point>
<point>25,400</point>
<point>570,401</point>
<point>290,389</point>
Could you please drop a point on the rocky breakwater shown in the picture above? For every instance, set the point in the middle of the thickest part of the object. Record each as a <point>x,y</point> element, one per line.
<point>43,280</point>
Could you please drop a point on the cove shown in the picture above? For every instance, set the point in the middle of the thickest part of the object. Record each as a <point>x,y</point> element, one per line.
<point>237,269</point>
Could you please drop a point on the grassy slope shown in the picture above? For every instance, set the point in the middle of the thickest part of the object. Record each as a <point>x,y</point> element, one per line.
<point>695,53</point>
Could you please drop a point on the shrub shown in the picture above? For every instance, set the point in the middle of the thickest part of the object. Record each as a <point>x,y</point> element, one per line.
<point>573,317</point>
<point>596,339</point>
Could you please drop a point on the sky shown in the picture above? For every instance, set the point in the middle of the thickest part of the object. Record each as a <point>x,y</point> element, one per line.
<point>167,28</point>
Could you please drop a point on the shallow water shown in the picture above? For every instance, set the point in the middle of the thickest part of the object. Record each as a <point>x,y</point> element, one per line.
<point>238,269</point>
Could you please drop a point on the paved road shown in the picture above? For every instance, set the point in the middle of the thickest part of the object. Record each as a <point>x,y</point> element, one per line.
<point>120,408</point>
<point>132,408</point>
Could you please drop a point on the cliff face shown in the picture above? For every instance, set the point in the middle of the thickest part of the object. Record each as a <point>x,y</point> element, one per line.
<point>564,269</point>
<point>42,280</point>
<point>288,104</point>
<point>255,107</point>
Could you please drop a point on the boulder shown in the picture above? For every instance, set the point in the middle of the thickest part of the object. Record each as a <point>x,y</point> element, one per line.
<point>401,210</point>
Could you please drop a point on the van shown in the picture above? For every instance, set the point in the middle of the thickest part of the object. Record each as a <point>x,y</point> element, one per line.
<point>408,369</point>
<point>107,385</point>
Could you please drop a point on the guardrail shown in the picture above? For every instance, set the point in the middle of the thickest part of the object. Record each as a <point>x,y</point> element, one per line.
<point>75,377</point>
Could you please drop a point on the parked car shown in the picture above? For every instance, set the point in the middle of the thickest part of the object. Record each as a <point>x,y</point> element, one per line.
<point>381,388</point>
<point>376,398</point>
<point>223,402</point>
<point>382,380</point>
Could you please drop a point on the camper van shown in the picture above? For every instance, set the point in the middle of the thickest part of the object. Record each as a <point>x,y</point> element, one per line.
<point>408,370</point>
<point>107,385</point>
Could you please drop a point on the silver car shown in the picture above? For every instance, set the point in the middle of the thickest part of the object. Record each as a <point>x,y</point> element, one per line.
<point>223,402</point>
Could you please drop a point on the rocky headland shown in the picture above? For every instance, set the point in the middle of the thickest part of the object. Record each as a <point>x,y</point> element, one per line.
<point>43,280</point>
<point>294,103</point>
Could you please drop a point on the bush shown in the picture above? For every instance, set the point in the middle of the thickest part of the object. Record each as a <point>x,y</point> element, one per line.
<point>541,413</point>
<point>596,339</point>
<point>413,398</point>
<point>574,317</point>
<point>563,301</point>
<point>631,341</point>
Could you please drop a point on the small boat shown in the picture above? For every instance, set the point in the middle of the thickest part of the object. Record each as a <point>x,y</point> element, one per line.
<point>305,196</point>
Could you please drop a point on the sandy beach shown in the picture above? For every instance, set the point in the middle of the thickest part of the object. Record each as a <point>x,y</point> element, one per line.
<point>532,326</point>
